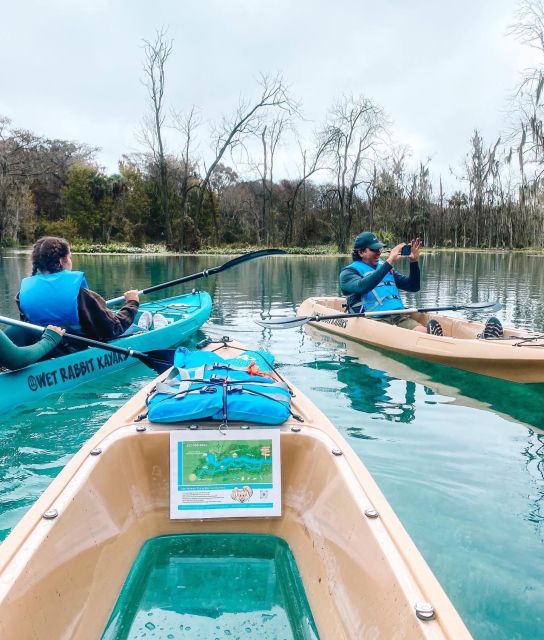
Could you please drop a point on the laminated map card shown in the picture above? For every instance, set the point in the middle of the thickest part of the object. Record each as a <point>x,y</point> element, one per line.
<point>230,474</point>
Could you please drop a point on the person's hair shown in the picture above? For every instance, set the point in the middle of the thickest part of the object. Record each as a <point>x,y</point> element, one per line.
<point>47,253</point>
<point>355,255</point>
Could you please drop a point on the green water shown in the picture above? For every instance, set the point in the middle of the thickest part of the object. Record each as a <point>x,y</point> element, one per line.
<point>206,586</point>
<point>458,456</point>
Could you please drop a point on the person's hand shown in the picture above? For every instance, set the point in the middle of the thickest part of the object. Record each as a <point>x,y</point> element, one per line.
<point>394,254</point>
<point>132,295</point>
<point>416,246</point>
<point>58,330</point>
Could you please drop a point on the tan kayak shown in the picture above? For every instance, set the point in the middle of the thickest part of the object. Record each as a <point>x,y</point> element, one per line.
<point>61,575</point>
<point>518,357</point>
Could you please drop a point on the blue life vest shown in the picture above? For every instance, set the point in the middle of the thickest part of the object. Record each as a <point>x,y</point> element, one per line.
<point>203,385</point>
<point>51,298</point>
<point>384,297</point>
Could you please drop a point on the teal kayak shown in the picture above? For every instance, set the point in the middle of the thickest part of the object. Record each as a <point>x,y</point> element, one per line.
<point>179,317</point>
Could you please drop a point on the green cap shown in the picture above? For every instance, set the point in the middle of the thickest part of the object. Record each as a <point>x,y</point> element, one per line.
<point>368,240</point>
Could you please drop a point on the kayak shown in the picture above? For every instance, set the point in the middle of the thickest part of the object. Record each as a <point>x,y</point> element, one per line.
<point>184,314</point>
<point>344,566</point>
<point>518,356</point>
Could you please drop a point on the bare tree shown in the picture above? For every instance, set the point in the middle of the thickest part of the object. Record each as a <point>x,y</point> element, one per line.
<point>156,55</point>
<point>312,162</point>
<point>479,167</point>
<point>186,124</point>
<point>355,125</point>
<point>246,120</point>
<point>270,137</point>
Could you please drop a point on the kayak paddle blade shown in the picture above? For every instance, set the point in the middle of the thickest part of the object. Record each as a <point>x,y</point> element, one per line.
<point>283,323</point>
<point>159,360</point>
<point>488,306</point>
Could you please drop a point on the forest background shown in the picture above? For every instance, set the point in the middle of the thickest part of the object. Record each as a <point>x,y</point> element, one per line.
<point>351,176</point>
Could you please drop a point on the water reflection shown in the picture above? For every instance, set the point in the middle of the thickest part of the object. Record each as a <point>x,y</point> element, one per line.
<point>514,401</point>
<point>372,391</point>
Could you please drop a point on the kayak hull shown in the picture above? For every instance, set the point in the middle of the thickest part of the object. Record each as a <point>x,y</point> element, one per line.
<point>519,357</point>
<point>362,575</point>
<point>57,375</point>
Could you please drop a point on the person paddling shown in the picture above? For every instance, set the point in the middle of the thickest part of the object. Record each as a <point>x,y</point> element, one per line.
<point>15,357</point>
<point>371,284</point>
<point>55,294</point>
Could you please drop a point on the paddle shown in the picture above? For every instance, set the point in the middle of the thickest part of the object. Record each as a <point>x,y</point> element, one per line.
<point>159,360</point>
<point>204,274</point>
<point>298,321</point>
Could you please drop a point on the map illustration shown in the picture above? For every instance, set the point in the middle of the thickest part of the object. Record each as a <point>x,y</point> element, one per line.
<point>209,462</point>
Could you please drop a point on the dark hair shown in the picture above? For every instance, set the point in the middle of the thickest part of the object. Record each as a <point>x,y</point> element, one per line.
<point>47,253</point>
<point>355,255</point>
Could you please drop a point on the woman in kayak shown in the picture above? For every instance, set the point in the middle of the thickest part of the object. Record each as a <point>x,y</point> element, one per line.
<point>54,294</point>
<point>370,283</point>
<point>14,357</point>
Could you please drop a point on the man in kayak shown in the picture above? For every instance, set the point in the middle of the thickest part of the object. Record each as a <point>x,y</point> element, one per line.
<point>54,294</point>
<point>15,357</point>
<point>371,284</point>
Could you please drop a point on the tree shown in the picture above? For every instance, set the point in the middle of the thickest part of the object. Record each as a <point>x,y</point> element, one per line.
<point>186,125</point>
<point>247,120</point>
<point>80,195</point>
<point>355,126</point>
<point>312,162</point>
<point>156,56</point>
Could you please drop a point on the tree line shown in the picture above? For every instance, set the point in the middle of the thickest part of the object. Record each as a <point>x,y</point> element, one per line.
<point>351,176</point>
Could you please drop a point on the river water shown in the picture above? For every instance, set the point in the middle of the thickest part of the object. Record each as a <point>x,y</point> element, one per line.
<point>458,456</point>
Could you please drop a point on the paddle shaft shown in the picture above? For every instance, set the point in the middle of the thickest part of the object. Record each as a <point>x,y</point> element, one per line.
<point>396,312</point>
<point>164,285</point>
<point>74,338</point>
<point>261,253</point>
<point>297,321</point>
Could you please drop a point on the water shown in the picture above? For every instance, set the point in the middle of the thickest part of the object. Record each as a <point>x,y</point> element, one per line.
<point>458,456</point>
<point>217,585</point>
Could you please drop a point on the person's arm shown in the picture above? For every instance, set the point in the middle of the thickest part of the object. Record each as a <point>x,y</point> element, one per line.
<point>99,322</point>
<point>351,282</point>
<point>411,282</point>
<point>14,357</point>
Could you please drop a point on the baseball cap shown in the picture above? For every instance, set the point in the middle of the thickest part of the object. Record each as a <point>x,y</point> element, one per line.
<point>368,240</point>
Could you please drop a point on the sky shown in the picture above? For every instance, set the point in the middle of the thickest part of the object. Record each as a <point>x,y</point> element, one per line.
<point>73,69</point>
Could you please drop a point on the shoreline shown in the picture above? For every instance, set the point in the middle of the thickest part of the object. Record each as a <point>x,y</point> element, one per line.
<point>307,252</point>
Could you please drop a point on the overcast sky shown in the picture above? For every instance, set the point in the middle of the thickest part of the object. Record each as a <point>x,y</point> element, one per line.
<point>72,69</point>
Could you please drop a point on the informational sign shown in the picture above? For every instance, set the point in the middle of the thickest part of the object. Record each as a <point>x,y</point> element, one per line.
<point>218,474</point>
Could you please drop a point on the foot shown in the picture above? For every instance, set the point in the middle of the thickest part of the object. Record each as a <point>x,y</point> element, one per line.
<point>492,329</point>
<point>145,320</point>
<point>160,321</point>
<point>434,328</point>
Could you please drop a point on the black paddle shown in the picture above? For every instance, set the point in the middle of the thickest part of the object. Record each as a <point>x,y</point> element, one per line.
<point>204,274</point>
<point>298,321</point>
<point>159,360</point>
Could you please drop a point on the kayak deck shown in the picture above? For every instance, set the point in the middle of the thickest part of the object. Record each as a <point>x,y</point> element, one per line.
<point>181,317</point>
<point>362,574</point>
<point>518,356</point>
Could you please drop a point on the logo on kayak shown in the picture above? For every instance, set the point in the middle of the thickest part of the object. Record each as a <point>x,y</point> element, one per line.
<point>74,371</point>
<point>337,322</point>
